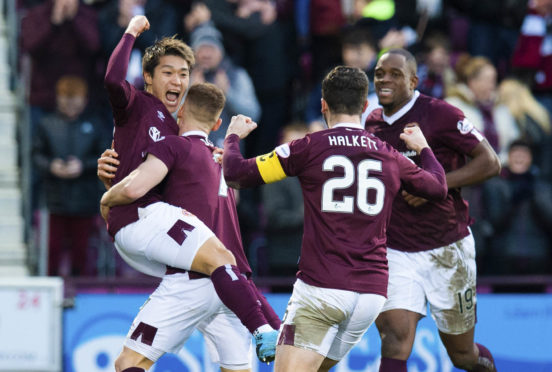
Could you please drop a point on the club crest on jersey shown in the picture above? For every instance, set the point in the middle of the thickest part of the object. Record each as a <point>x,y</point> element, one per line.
<point>160,115</point>
<point>155,134</point>
<point>465,126</point>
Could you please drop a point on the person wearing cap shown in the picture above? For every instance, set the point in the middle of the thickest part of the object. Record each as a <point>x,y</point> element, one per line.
<point>213,66</point>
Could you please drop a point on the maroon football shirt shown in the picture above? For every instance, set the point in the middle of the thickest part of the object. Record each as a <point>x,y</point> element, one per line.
<point>451,137</point>
<point>140,119</point>
<point>195,183</point>
<point>349,179</point>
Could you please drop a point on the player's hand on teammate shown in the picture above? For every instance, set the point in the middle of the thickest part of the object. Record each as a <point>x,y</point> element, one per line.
<point>107,166</point>
<point>414,138</point>
<point>241,125</point>
<point>104,210</point>
<point>137,25</point>
<point>217,154</point>
<point>412,200</point>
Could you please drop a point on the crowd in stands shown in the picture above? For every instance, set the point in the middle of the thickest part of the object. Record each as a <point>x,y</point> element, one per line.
<point>492,59</point>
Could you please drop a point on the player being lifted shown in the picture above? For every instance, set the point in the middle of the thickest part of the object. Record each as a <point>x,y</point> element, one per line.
<point>349,180</point>
<point>181,304</point>
<point>141,119</point>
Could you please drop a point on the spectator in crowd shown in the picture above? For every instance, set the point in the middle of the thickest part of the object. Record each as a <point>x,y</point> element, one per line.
<point>532,119</point>
<point>435,73</point>
<point>519,206</point>
<point>493,28</point>
<point>358,49</point>
<point>258,39</point>
<point>476,96</point>
<point>283,206</point>
<point>65,149</point>
<point>60,37</point>
<point>533,52</point>
<point>213,66</point>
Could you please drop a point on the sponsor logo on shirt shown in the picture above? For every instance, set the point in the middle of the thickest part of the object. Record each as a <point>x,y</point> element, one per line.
<point>155,134</point>
<point>409,154</point>
<point>160,115</point>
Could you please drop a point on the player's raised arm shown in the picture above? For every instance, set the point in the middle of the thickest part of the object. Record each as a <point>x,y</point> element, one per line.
<point>239,172</point>
<point>118,88</point>
<point>137,183</point>
<point>429,181</point>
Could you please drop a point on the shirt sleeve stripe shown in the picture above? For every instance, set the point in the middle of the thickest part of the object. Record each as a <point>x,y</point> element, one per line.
<point>270,168</point>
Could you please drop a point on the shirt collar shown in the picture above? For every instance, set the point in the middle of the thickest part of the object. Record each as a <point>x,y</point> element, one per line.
<point>348,125</point>
<point>397,115</point>
<point>194,133</point>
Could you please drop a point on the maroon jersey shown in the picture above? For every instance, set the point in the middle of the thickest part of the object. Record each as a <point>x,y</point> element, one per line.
<point>140,119</point>
<point>451,137</point>
<point>349,179</point>
<point>195,183</point>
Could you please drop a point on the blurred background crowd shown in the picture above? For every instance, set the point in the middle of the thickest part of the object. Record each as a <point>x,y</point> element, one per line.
<point>492,59</point>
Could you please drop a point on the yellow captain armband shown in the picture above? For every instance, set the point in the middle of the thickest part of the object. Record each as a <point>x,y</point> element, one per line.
<point>270,168</point>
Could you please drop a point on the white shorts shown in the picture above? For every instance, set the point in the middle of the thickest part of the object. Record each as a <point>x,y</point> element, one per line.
<point>163,235</point>
<point>445,277</point>
<point>327,321</point>
<point>177,307</point>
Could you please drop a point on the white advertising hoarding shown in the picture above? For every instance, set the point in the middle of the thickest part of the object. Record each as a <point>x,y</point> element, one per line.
<point>30,324</point>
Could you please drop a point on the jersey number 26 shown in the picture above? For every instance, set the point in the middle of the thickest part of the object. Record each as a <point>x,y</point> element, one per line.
<point>364,183</point>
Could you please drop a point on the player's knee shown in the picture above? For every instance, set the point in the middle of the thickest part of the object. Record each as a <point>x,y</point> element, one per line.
<point>219,256</point>
<point>395,342</point>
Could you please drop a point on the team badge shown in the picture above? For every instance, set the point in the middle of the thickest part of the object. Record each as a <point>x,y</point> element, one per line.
<point>155,134</point>
<point>465,126</point>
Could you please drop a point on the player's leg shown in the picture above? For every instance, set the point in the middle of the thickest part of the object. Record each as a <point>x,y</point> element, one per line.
<point>327,364</point>
<point>290,359</point>
<point>453,304</point>
<point>467,355</point>
<point>166,320</point>
<point>131,361</point>
<point>269,313</point>
<point>313,318</point>
<point>227,340</point>
<point>405,306</point>
<point>350,331</point>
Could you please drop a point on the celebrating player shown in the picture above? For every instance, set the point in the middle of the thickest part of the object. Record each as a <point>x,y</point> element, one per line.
<point>349,180</point>
<point>180,303</point>
<point>431,250</point>
<point>144,118</point>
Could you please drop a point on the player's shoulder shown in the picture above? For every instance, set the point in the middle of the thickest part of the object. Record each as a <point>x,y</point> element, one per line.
<point>375,117</point>
<point>438,108</point>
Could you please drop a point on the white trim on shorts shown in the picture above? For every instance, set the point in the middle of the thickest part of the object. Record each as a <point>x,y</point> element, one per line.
<point>327,321</point>
<point>444,278</point>
<point>163,235</point>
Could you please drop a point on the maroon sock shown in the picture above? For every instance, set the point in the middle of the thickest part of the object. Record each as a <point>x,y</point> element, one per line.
<point>392,365</point>
<point>269,313</point>
<point>133,369</point>
<point>485,362</point>
<point>237,294</point>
